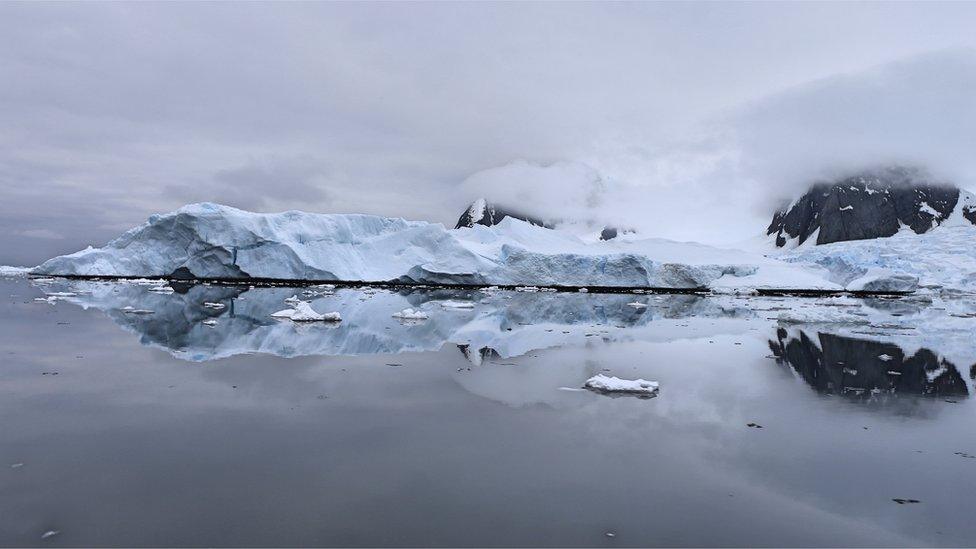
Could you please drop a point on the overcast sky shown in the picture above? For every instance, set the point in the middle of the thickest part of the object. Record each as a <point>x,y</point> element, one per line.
<point>688,120</point>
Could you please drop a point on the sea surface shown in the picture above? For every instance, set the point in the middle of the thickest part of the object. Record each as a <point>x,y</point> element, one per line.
<point>127,420</point>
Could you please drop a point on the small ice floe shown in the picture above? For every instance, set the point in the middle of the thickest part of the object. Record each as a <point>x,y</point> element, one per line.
<point>303,312</point>
<point>50,534</point>
<point>893,373</point>
<point>43,280</point>
<point>130,310</point>
<point>161,289</point>
<point>526,288</point>
<point>210,322</point>
<point>885,358</point>
<point>451,304</point>
<point>583,290</point>
<point>212,305</point>
<point>49,300</point>
<point>60,294</point>
<point>292,300</point>
<point>637,305</point>
<point>410,314</point>
<point>610,384</point>
<point>17,465</point>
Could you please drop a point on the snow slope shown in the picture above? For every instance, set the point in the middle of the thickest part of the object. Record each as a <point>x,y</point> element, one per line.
<point>211,241</point>
<point>943,258</point>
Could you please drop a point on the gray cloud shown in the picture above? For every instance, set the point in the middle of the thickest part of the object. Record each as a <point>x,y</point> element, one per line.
<point>110,112</point>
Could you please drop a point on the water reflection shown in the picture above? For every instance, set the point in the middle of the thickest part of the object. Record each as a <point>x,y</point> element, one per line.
<point>497,326</point>
<point>509,323</point>
<point>865,369</point>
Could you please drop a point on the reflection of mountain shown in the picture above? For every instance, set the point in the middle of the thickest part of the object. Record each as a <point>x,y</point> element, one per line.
<point>861,369</point>
<point>510,323</point>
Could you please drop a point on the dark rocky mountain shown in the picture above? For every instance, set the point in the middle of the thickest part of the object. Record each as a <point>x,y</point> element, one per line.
<point>870,205</point>
<point>482,212</point>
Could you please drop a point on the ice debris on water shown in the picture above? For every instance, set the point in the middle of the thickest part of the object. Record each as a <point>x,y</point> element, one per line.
<point>611,384</point>
<point>410,314</point>
<point>50,534</point>
<point>451,304</point>
<point>212,305</point>
<point>303,312</point>
<point>210,322</point>
<point>637,305</point>
<point>129,309</point>
<point>885,358</point>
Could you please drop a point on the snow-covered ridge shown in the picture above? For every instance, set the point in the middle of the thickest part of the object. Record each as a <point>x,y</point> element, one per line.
<point>213,241</point>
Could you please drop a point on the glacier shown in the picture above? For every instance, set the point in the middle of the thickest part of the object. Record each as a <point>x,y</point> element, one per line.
<point>212,241</point>
<point>941,260</point>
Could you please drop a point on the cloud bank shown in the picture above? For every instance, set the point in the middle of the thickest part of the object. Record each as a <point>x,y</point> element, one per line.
<point>681,119</point>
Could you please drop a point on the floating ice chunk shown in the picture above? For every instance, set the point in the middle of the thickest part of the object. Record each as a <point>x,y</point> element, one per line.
<point>60,294</point>
<point>527,289</point>
<point>303,312</point>
<point>161,289</point>
<point>410,314</point>
<point>210,322</point>
<point>610,384</point>
<point>847,208</point>
<point>582,290</point>
<point>885,358</point>
<point>212,305</point>
<point>129,309</point>
<point>452,304</point>
<point>17,465</point>
<point>50,534</point>
<point>48,300</point>
<point>292,300</point>
<point>637,305</point>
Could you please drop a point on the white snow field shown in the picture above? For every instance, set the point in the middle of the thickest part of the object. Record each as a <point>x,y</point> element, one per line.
<point>7,271</point>
<point>213,241</point>
<point>942,259</point>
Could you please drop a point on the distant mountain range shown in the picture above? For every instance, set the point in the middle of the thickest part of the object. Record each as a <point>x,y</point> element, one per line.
<point>871,204</point>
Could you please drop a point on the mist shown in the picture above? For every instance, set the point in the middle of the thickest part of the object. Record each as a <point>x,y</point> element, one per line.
<point>684,121</point>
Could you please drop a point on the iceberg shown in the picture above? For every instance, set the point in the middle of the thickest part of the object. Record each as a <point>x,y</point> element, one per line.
<point>211,241</point>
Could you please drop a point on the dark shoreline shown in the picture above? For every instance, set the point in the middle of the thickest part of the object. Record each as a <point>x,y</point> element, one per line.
<point>286,282</point>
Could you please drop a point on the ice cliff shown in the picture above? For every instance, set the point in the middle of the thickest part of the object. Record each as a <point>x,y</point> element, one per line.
<point>213,241</point>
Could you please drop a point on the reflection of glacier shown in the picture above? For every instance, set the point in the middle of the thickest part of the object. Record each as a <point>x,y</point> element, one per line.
<point>508,323</point>
<point>866,369</point>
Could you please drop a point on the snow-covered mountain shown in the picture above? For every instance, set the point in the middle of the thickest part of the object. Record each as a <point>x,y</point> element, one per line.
<point>483,212</point>
<point>213,241</point>
<point>872,204</point>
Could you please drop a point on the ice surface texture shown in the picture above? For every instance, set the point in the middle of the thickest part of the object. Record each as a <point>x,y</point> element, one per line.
<point>213,241</point>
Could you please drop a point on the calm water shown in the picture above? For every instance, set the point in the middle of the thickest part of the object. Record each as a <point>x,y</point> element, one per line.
<point>469,428</point>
